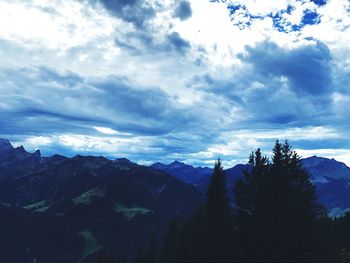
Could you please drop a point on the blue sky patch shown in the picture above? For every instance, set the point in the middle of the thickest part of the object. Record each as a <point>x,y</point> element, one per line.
<point>310,18</point>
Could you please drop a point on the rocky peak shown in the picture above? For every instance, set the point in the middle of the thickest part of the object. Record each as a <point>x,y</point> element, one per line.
<point>5,146</point>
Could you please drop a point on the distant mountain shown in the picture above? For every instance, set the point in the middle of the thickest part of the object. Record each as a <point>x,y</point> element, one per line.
<point>331,178</point>
<point>232,174</point>
<point>322,169</point>
<point>184,172</point>
<point>59,209</point>
<point>199,176</point>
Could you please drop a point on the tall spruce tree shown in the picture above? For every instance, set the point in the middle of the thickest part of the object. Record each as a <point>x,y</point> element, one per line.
<point>251,208</point>
<point>219,232</point>
<point>140,256</point>
<point>208,237</point>
<point>150,255</point>
<point>277,213</point>
<point>171,252</point>
<point>104,258</point>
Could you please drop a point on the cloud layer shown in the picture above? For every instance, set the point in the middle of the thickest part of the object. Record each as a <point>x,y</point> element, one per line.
<point>162,80</point>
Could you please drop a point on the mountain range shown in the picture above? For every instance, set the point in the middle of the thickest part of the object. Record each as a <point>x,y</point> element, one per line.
<point>330,177</point>
<point>59,209</point>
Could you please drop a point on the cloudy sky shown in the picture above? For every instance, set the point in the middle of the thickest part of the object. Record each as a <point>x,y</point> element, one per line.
<point>192,80</point>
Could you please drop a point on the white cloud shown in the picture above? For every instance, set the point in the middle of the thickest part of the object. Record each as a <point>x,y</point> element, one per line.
<point>109,131</point>
<point>77,37</point>
<point>58,25</point>
<point>36,142</point>
<point>242,141</point>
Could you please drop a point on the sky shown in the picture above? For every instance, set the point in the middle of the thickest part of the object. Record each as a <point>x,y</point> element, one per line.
<point>187,80</point>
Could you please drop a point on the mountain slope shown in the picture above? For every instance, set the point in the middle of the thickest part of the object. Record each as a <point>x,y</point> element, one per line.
<point>331,178</point>
<point>199,176</point>
<point>95,202</point>
<point>184,172</point>
<point>322,169</point>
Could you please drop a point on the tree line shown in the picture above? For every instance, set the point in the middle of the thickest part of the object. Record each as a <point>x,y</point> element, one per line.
<point>275,218</point>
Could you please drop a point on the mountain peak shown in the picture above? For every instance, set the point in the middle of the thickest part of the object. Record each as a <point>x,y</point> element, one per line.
<point>158,163</point>
<point>176,164</point>
<point>124,161</point>
<point>316,160</point>
<point>20,150</point>
<point>36,155</point>
<point>320,167</point>
<point>5,145</point>
<point>21,153</point>
<point>184,172</point>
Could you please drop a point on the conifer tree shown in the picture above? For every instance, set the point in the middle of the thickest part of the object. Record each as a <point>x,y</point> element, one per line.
<point>171,246</point>
<point>103,258</point>
<point>150,256</point>
<point>197,237</point>
<point>277,213</point>
<point>208,237</point>
<point>140,256</point>
<point>219,232</point>
<point>250,207</point>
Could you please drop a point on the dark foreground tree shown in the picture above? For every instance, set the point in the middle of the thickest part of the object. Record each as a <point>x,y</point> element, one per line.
<point>341,227</point>
<point>208,237</point>
<point>278,217</point>
<point>104,258</point>
<point>149,256</point>
<point>171,248</point>
<point>219,234</point>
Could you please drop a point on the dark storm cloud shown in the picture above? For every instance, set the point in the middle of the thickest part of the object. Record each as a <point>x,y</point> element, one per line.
<point>140,43</point>
<point>307,68</point>
<point>139,12</point>
<point>50,101</point>
<point>28,111</point>
<point>177,42</point>
<point>183,11</point>
<point>341,143</point>
<point>278,86</point>
<point>56,104</point>
<point>133,11</point>
<point>145,39</point>
<point>150,108</point>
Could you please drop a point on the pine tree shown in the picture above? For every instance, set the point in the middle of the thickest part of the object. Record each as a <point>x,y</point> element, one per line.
<point>150,256</point>
<point>277,213</point>
<point>171,248</point>
<point>103,258</point>
<point>218,208</point>
<point>140,256</point>
<point>250,207</point>
<point>219,223</point>
<point>208,237</point>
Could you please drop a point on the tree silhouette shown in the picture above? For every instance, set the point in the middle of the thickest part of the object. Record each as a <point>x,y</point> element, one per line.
<point>171,247</point>
<point>278,217</point>
<point>275,218</point>
<point>219,232</point>
<point>208,236</point>
<point>104,258</point>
